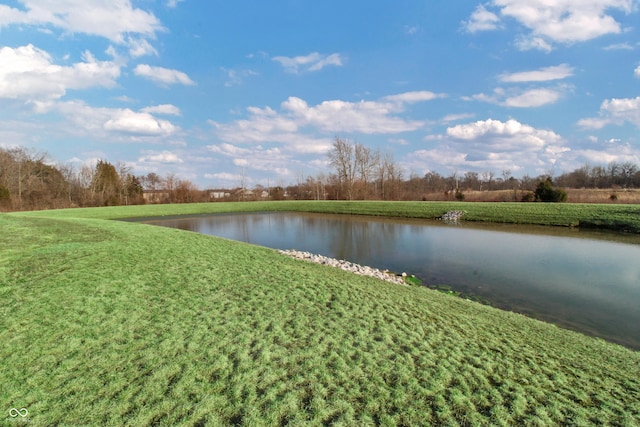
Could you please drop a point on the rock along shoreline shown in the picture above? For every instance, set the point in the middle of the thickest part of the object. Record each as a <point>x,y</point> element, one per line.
<point>362,270</point>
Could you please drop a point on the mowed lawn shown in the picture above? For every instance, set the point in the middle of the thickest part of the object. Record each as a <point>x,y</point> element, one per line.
<point>114,323</point>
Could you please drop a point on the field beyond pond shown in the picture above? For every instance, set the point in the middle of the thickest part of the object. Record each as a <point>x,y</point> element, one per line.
<point>115,323</point>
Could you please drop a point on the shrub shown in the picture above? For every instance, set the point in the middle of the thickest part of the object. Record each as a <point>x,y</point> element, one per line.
<point>459,196</point>
<point>546,193</point>
<point>528,197</point>
<point>5,196</point>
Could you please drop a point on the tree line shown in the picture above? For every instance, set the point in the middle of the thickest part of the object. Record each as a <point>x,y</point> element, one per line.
<point>30,180</point>
<point>360,173</point>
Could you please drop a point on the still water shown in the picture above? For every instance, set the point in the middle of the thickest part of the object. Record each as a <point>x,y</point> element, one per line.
<point>583,280</point>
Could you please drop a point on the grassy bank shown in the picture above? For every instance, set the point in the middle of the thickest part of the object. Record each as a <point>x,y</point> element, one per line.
<point>617,217</point>
<point>115,323</point>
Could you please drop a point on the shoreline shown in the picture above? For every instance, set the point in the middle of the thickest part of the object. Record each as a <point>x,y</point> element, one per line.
<point>351,267</point>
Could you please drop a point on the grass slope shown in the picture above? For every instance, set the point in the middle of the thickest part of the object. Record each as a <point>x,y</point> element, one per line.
<point>112,323</point>
<point>618,217</point>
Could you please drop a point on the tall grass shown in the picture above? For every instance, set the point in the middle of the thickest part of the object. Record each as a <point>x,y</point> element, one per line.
<point>116,323</point>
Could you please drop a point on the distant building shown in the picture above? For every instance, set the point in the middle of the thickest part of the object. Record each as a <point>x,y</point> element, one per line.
<point>155,196</point>
<point>219,194</point>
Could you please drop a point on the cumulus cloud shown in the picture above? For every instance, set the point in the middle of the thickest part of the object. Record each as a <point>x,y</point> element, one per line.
<point>615,112</point>
<point>228,178</point>
<point>276,140</point>
<point>637,72</point>
<point>138,123</point>
<point>553,21</point>
<point>545,74</point>
<point>517,98</point>
<point>532,43</point>
<point>29,73</point>
<point>260,158</point>
<point>112,19</point>
<point>456,117</point>
<point>495,130</point>
<point>163,76</point>
<point>162,157</point>
<point>482,20</point>
<point>312,62</point>
<point>100,122</point>
<point>411,97</point>
<point>611,151</point>
<point>493,145</point>
<point>140,47</point>
<point>532,98</point>
<point>165,109</point>
<point>369,117</point>
<point>330,117</point>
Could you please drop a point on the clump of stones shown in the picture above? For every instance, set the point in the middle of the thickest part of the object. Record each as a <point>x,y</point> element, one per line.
<point>452,216</point>
<point>362,270</point>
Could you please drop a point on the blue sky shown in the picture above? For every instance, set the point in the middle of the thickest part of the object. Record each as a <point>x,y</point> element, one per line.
<point>213,90</point>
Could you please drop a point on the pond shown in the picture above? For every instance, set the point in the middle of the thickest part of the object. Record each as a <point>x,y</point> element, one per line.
<point>587,281</point>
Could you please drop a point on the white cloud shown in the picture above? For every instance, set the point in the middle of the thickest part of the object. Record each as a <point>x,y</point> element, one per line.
<point>164,76</point>
<point>533,98</point>
<point>312,62</point>
<point>613,151</point>
<point>107,123</point>
<point>492,145</point>
<point>532,43</point>
<point>398,141</point>
<point>411,97</point>
<point>615,112</point>
<point>264,124</point>
<point>517,98</point>
<point>166,109</point>
<point>278,140</point>
<point>138,123</point>
<point>236,77</point>
<point>619,46</point>
<point>636,72</point>
<point>140,47</point>
<point>411,30</point>
<point>125,98</point>
<point>162,157</point>
<point>369,117</point>
<point>229,150</point>
<point>545,74</point>
<point>329,117</point>
<point>29,73</point>
<point>456,117</point>
<point>111,19</point>
<point>482,20</point>
<point>494,130</point>
<point>226,177</point>
<point>566,21</point>
<point>563,21</point>
<point>173,3</point>
<point>257,158</point>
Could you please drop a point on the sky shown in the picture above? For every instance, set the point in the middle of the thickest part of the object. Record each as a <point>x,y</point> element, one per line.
<point>221,92</point>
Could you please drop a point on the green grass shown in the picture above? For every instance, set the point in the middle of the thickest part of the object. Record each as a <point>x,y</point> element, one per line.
<point>116,323</point>
<point>608,216</point>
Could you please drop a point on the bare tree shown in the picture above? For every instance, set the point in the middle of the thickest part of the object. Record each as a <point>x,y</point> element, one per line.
<point>364,164</point>
<point>627,170</point>
<point>342,158</point>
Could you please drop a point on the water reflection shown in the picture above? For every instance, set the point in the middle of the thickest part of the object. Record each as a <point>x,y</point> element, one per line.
<point>587,281</point>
